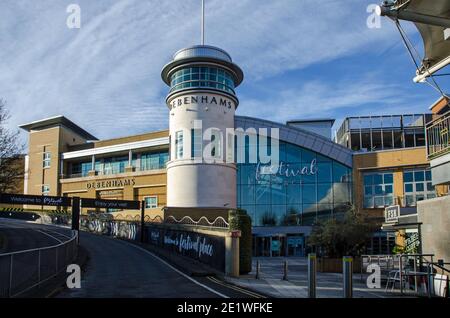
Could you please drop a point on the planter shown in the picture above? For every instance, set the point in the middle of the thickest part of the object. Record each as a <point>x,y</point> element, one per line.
<point>334,265</point>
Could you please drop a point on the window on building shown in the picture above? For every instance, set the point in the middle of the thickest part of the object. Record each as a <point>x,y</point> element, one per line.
<point>420,137</point>
<point>114,165</point>
<point>151,202</point>
<point>378,189</point>
<point>377,140</point>
<point>216,142</point>
<point>355,141</point>
<point>409,138</point>
<point>153,161</point>
<point>388,142</point>
<point>45,189</point>
<point>196,143</point>
<point>366,143</point>
<point>417,186</point>
<point>80,169</point>
<point>179,145</point>
<point>398,139</point>
<point>46,159</point>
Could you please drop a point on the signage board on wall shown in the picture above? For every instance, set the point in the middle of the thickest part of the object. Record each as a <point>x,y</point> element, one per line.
<point>110,204</point>
<point>391,214</point>
<point>115,183</point>
<point>34,200</point>
<point>207,249</point>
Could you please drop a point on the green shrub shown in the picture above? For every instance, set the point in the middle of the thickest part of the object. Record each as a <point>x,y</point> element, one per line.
<point>240,220</point>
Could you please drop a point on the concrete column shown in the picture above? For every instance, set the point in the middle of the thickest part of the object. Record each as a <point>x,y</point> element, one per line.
<point>92,172</point>
<point>130,158</point>
<point>232,253</point>
<point>61,168</point>
<point>129,167</point>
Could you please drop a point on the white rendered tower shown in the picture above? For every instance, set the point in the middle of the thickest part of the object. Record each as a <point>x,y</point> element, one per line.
<point>202,104</point>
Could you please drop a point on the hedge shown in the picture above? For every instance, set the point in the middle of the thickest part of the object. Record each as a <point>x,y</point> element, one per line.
<point>240,220</point>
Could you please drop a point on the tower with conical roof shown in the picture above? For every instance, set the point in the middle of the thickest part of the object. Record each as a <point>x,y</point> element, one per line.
<point>202,103</point>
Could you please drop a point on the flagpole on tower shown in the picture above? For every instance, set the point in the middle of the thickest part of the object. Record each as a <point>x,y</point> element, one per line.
<point>203,22</point>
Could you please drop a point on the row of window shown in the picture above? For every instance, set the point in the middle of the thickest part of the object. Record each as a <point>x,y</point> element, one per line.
<point>374,140</point>
<point>214,85</point>
<point>207,77</point>
<point>292,215</point>
<point>286,194</point>
<point>379,188</point>
<point>202,73</point>
<point>115,165</point>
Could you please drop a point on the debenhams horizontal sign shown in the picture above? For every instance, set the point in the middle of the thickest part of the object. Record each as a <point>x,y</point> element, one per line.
<point>116,183</point>
<point>201,99</point>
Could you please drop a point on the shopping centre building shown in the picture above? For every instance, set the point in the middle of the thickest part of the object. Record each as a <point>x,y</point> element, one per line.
<point>374,162</point>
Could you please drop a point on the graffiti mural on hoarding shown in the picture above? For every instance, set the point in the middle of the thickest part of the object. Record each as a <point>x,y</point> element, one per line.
<point>208,249</point>
<point>122,229</point>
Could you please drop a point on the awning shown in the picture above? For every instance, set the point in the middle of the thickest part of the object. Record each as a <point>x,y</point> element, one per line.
<point>432,19</point>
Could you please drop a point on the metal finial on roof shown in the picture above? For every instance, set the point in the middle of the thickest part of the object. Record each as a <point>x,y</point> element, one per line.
<point>203,22</point>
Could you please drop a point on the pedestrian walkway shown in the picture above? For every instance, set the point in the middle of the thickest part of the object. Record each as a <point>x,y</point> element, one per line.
<point>329,285</point>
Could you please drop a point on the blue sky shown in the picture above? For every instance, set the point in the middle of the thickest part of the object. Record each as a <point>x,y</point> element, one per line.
<point>301,59</point>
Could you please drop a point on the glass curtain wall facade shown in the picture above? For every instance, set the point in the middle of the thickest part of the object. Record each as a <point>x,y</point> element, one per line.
<point>307,187</point>
<point>373,133</point>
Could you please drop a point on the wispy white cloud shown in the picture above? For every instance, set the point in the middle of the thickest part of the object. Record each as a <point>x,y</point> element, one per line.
<point>363,95</point>
<point>106,75</point>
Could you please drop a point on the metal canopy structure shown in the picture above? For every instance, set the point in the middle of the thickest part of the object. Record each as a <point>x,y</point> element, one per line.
<point>432,19</point>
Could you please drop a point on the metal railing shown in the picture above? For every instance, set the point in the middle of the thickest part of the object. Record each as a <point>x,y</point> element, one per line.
<point>23,270</point>
<point>438,136</point>
<point>412,274</point>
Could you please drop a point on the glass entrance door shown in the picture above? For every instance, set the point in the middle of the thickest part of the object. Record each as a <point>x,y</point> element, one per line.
<point>296,245</point>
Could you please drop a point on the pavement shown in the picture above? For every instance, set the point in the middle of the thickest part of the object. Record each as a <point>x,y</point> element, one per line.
<point>329,285</point>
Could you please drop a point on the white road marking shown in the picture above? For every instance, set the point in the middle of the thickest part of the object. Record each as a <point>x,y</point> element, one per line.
<point>176,270</point>
<point>49,235</point>
<point>62,234</point>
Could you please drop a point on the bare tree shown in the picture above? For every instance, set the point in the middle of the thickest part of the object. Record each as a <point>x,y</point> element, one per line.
<point>11,167</point>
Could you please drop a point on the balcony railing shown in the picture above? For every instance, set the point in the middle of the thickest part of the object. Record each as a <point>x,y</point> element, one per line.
<point>438,133</point>
<point>107,172</point>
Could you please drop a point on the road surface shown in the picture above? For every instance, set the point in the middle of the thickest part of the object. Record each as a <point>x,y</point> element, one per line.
<point>117,268</point>
<point>17,235</point>
<point>120,269</point>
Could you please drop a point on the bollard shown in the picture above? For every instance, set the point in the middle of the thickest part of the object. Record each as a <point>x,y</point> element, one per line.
<point>258,268</point>
<point>347,266</point>
<point>430,291</point>
<point>285,270</point>
<point>400,264</point>
<point>142,220</point>
<point>312,268</point>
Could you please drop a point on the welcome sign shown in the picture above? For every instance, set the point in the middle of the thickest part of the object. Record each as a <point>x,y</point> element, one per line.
<point>34,200</point>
